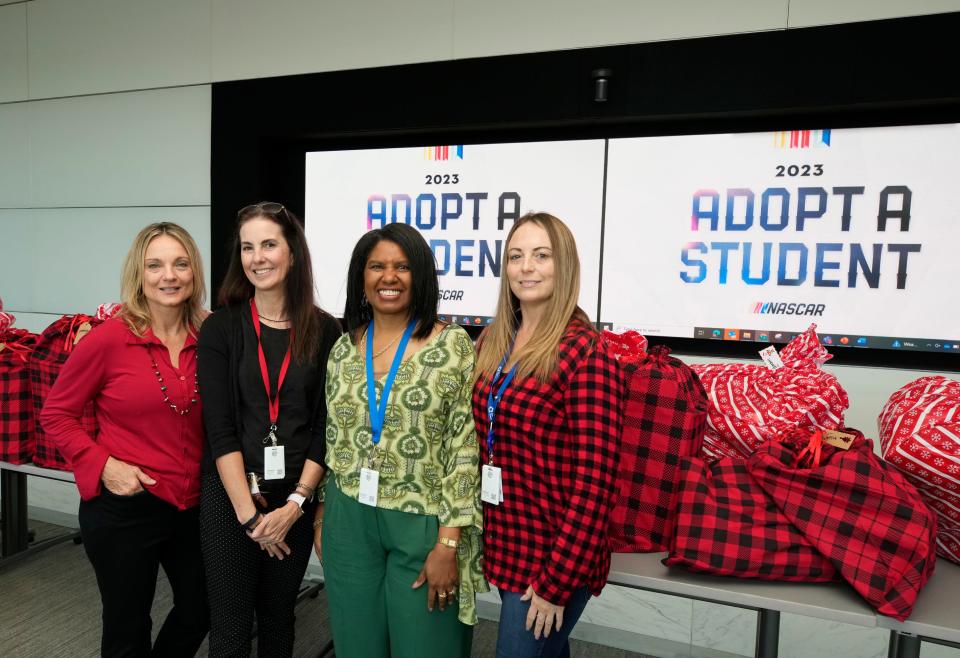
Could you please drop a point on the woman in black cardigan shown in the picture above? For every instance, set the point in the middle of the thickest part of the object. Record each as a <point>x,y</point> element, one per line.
<point>261,366</point>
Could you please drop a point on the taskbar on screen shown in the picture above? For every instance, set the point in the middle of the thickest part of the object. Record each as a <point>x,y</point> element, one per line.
<point>466,320</point>
<point>830,339</point>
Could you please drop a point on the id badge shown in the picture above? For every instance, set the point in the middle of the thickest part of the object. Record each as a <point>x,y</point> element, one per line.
<point>273,463</point>
<point>369,481</point>
<point>491,485</point>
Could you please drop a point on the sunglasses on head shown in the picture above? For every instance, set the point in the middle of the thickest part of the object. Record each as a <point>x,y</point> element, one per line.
<point>265,207</point>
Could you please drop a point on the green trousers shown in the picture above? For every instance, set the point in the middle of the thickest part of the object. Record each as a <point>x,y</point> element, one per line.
<point>371,557</point>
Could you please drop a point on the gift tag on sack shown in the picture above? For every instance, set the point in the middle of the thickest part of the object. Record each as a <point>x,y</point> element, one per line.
<point>369,481</point>
<point>491,485</point>
<point>837,439</point>
<point>771,357</point>
<point>82,331</point>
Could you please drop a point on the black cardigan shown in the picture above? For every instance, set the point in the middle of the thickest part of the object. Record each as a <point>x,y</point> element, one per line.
<point>219,350</point>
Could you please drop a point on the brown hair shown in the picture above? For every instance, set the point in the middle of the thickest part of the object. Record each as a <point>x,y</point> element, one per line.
<point>297,287</point>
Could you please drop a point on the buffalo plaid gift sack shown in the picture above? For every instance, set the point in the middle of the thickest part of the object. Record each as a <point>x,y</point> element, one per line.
<point>856,510</point>
<point>17,442</point>
<point>664,417</point>
<point>724,524</point>
<point>752,404</point>
<point>920,436</point>
<point>50,353</point>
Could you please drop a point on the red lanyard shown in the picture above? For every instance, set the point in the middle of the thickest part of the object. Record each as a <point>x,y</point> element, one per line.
<point>273,402</point>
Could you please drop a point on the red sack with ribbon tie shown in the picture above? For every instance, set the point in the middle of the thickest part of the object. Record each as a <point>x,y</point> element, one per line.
<point>920,436</point>
<point>17,440</point>
<point>726,525</point>
<point>856,510</point>
<point>752,404</point>
<point>664,416</point>
<point>50,352</point>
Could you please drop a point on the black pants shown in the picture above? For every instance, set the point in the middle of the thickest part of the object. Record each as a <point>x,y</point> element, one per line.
<point>243,580</point>
<point>127,538</point>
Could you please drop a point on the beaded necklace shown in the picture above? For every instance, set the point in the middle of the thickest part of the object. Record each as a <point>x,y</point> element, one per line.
<point>163,389</point>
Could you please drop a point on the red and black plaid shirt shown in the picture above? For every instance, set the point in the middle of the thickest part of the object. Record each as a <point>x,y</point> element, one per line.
<point>557,445</point>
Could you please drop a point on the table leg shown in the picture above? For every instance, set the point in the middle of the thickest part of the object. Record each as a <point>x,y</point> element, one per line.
<point>892,644</point>
<point>768,634</point>
<point>13,490</point>
<point>904,645</point>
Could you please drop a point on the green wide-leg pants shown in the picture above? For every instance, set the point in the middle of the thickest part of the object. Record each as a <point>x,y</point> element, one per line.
<point>371,557</point>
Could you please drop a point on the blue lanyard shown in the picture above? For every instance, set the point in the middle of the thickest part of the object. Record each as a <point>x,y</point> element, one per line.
<point>493,401</point>
<point>379,412</point>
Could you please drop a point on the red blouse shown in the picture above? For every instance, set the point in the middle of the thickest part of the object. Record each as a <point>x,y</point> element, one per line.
<point>557,446</point>
<point>112,367</point>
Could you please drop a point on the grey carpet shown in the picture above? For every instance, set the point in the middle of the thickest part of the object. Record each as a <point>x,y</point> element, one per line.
<point>50,607</point>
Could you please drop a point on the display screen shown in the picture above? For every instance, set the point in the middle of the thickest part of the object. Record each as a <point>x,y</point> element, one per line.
<point>755,236</point>
<point>463,199</point>
<point>730,237</point>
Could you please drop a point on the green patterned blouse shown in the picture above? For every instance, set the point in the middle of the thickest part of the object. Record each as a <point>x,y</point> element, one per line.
<point>428,456</point>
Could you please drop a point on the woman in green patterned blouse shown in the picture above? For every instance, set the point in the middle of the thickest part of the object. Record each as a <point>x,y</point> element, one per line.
<point>400,530</point>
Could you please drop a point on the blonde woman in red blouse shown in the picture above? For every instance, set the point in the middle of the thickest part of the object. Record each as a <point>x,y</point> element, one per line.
<point>139,477</point>
<point>547,409</point>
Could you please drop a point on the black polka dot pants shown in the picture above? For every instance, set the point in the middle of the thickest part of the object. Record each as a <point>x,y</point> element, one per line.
<point>243,580</point>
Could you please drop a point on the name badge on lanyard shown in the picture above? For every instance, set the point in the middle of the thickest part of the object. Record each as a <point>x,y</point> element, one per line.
<point>370,478</point>
<point>491,485</point>
<point>491,477</point>
<point>274,466</point>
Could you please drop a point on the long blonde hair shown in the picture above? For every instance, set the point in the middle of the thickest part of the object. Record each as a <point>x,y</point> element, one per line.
<point>538,358</point>
<point>135,310</point>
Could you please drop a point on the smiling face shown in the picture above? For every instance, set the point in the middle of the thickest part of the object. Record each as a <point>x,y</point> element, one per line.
<point>264,254</point>
<point>387,280</point>
<point>167,273</point>
<point>530,265</point>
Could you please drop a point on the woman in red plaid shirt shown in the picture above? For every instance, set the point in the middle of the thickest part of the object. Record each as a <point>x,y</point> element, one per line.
<point>547,407</point>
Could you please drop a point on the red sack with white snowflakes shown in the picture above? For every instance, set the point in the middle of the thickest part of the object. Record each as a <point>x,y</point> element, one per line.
<point>920,435</point>
<point>628,348</point>
<point>51,351</point>
<point>664,416</point>
<point>752,404</point>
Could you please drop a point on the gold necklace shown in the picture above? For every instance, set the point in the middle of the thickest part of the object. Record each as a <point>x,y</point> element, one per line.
<point>264,317</point>
<point>389,345</point>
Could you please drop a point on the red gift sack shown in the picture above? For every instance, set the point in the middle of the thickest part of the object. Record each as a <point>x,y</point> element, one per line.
<point>50,353</point>
<point>664,417</point>
<point>920,435</point>
<point>17,441</point>
<point>726,525</point>
<point>856,510</point>
<point>752,404</point>
<point>628,348</point>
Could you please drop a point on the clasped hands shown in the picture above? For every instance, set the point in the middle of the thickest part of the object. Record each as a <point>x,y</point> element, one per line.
<point>271,531</point>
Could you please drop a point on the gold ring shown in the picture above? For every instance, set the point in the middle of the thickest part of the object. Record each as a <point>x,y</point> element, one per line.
<point>452,592</point>
<point>442,595</point>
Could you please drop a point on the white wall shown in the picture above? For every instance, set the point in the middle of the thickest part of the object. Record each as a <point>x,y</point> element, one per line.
<point>105,126</point>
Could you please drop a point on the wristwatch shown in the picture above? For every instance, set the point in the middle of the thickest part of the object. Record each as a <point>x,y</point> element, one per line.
<point>446,541</point>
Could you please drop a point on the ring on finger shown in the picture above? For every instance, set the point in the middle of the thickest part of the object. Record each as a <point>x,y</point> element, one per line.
<point>442,595</point>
